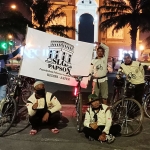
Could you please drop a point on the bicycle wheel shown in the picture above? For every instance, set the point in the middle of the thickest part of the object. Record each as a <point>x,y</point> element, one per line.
<point>79,113</point>
<point>25,94</point>
<point>147,105</point>
<point>146,88</point>
<point>129,114</point>
<point>8,114</point>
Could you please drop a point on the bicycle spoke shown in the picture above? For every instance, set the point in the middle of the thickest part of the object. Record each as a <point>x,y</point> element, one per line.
<point>147,106</point>
<point>8,109</point>
<point>129,114</point>
<point>8,114</point>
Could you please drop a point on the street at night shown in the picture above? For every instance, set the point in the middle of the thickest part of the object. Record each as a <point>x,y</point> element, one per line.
<point>50,50</point>
<point>18,137</point>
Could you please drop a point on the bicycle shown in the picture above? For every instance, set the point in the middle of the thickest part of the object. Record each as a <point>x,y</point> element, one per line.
<point>24,90</point>
<point>78,100</point>
<point>117,92</point>
<point>146,98</point>
<point>127,112</point>
<point>9,105</point>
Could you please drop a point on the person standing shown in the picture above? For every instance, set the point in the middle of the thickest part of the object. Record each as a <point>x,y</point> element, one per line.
<point>99,71</point>
<point>3,71</point>
<point>134,72</point>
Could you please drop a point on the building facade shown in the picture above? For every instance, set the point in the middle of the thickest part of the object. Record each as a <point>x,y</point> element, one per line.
<point>84,16</point>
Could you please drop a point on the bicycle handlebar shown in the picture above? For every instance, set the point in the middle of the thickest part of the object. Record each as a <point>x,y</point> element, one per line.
<point>74,76</point>
<point>78,76</point>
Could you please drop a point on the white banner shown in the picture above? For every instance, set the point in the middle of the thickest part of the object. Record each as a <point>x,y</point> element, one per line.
<point>49,57</point>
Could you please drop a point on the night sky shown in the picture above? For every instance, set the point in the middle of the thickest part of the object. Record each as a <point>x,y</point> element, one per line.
<point>20,7</point>
<point>27,13</point>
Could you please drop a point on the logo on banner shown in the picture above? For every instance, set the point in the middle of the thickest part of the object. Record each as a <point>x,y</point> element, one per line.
<point>60,55</point>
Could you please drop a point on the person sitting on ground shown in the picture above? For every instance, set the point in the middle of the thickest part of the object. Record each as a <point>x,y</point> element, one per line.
<point>43,108</point>
<point>98,122</point>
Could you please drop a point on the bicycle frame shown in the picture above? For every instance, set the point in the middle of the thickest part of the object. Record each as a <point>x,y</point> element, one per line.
<point>78,103</point>
<point>125,112</point>
<point>77,89</point>
<point>147,85</point>
<point>78,100</point>
<point>117,91</point>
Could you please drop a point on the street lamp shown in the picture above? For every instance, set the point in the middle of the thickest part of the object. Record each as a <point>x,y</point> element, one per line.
<point>13,6</point>
<point>9,36</point>
<point>141,47</point>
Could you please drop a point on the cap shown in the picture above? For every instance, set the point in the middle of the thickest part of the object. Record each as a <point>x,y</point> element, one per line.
<point>92,98</point>
<point>37,83</point>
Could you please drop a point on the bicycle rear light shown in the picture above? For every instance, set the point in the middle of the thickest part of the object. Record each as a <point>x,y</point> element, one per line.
<point>75,91</point>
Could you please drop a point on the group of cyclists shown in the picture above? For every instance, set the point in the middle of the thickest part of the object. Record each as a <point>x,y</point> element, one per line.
<point>98,119</point>
<point>131,68</point>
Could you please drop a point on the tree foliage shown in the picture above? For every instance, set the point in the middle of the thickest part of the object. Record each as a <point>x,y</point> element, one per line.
<point>12,22</point>
<point>45,15</point>
<point>134,14</point>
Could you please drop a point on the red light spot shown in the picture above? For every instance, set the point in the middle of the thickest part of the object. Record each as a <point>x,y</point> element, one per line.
<point>75,91</point>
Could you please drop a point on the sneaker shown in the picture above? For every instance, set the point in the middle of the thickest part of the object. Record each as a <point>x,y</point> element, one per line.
<point>110,138</point>
<point>91,139</point>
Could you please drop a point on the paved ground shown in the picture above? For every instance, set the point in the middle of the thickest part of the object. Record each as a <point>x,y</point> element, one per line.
<point>69,139</point>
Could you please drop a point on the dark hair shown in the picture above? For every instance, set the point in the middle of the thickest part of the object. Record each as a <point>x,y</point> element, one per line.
<point>101,48</point>
<point>127,55</point>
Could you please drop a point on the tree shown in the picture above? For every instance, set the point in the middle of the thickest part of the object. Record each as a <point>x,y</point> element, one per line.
<point>14,23</point>
<point>147,39</point>
<point>134,14</point>
<point>44,15</point>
